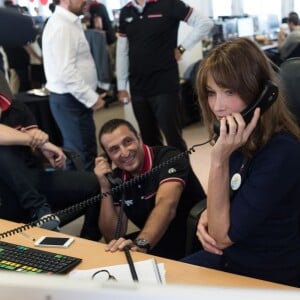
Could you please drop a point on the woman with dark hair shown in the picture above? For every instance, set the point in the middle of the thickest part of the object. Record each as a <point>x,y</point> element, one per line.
<point>251,224</point>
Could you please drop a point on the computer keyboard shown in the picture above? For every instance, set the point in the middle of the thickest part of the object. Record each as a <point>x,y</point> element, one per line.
<point>29,260</point>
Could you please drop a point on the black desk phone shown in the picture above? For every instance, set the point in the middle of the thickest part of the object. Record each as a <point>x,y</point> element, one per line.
<point>267,97</point>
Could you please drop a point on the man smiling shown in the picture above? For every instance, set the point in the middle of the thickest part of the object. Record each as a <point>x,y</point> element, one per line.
<point>158,204</point>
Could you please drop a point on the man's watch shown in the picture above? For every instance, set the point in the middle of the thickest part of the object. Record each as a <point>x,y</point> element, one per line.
<point>142,243</point>
<point>181,49</point>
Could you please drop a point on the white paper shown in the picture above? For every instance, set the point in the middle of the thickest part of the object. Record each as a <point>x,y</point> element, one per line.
<point>146,271</point>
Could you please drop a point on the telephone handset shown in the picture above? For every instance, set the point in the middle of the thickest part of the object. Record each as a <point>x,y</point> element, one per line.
<point>114,181</point>
<point>267,97</point>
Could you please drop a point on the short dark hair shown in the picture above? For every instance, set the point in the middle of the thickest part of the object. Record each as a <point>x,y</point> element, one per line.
<point>112,124</point>
<point>293,18</point>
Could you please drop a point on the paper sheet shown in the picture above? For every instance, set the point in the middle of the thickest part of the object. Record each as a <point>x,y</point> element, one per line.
<point>147,271</point>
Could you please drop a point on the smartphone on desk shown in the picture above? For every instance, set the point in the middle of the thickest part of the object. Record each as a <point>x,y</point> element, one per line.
<point>60,242</point>
<point>267,97</point>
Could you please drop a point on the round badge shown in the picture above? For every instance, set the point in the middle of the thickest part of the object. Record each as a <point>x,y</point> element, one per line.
<point>236,181</point>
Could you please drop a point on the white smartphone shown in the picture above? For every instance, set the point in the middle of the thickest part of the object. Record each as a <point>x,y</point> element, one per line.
<point>47,241</point>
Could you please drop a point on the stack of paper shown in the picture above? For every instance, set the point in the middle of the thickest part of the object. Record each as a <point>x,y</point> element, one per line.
<point>148,271</point>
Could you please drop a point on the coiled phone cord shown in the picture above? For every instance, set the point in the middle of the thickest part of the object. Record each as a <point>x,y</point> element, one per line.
<point>93,200</point>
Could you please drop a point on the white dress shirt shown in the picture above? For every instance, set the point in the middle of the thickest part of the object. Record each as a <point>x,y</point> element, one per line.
<point>68,63</point>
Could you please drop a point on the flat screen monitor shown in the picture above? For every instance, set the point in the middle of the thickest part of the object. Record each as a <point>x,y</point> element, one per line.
<point>267,23</point>
<point>245,27</point>
<point>230,28</point>
<point>26,286</point>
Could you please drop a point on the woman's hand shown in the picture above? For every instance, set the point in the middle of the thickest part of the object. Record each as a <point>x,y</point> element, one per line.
<point>233,134</point>
<point>208,243</point>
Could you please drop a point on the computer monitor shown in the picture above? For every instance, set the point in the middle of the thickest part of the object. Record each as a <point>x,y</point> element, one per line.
<point>245,27</point>
<point>25,286</point>
<point>268,23</point>
<point>230,28</point>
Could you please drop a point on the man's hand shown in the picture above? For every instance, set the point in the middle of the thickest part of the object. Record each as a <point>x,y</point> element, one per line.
<point>54,155</point>
<point>120,244</point>
<point>208,243</point>
<point>177,54</point>
<point>123,97</point>
<point>102,167</point>
<point>38,137</point>
<point>100,102</point>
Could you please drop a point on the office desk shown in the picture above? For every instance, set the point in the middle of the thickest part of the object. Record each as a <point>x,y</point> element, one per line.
<point>39,106</point>
<point>266,47</point>
<point>93,255</point>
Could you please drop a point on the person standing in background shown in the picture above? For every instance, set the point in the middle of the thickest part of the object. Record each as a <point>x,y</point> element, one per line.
<point>147,54</point>
<point>100,20</point>
<point>288,42</point>
<point>71,79</point>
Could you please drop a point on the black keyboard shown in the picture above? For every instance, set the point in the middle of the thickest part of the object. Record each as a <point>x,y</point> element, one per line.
<point>29,260</point>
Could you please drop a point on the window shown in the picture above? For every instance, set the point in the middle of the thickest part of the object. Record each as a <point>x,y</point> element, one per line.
<point>221,8</point>
<point>262,7</point>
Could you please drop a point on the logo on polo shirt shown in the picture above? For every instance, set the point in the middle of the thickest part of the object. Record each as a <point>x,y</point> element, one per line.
<point>128,202</point>
<point>129,19</point>
<point>172,171</point>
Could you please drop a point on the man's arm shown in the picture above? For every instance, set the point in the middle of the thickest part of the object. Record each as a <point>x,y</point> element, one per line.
<point>108,218</point>
<point>201,28</point>
<point>10,136</point>
<point>163,213</point>
<point>122,67</point>
<point>166,202</point>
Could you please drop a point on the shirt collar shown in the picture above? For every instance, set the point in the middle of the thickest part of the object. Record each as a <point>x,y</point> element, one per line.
<point>66,14</point>
<point>147,165</point>
<point>139,7</point>
<point>4,102</point>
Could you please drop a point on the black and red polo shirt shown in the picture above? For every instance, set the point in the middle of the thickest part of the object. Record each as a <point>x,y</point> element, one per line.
<point>139,199</point>
<point>152,36</point>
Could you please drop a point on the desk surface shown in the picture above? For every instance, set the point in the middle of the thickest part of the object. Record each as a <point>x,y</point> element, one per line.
<point>272,45</point>
<point>93,255</point>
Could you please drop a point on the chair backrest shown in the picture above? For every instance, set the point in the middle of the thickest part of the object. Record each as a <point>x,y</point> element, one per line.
<point>4,87</point>
<point>192,243</point>
<point>290,78</point>
<point>294,53</point>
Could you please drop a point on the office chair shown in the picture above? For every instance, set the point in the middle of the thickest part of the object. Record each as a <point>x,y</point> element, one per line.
<point>192,243</point>
<point>290,78</point>
<point>294,53</point>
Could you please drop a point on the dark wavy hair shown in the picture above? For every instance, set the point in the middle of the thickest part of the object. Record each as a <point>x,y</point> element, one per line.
<point>241,66</point>
<point>113,124</point>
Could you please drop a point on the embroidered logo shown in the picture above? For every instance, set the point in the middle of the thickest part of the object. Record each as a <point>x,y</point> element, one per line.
<point>129,19</point>
<point>128,202</point>
<point>172,171</point>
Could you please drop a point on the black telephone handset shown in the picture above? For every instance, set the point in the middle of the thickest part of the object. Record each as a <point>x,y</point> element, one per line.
<point>267,97</point>
<point>114,181</point>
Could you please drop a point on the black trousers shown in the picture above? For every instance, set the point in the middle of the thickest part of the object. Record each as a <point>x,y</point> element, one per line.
<point>24,188</point>
<point>159,114</point>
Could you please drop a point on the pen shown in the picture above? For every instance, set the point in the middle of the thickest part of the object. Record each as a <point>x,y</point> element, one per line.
<point>28,236</point>
<point>157,272</point>
<point>131,264</point>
